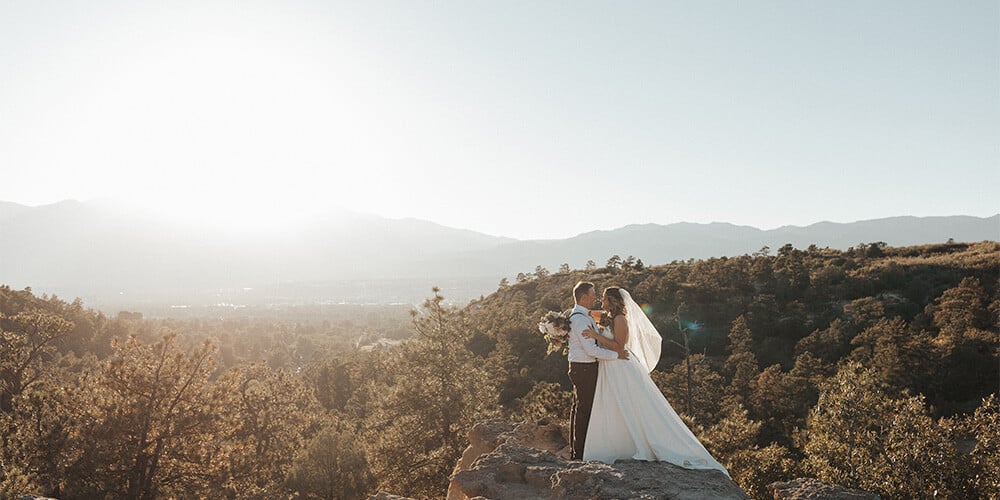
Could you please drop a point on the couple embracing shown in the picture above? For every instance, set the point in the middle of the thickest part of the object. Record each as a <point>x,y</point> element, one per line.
<point>618,412</point>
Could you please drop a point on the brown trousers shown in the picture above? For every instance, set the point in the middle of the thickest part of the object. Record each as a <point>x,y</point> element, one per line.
<point>584,378</point>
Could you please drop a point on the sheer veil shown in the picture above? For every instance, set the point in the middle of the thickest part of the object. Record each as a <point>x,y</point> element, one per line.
<point>644,342</point>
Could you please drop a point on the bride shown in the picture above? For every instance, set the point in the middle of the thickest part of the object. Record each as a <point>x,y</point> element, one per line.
<point>631,419</point>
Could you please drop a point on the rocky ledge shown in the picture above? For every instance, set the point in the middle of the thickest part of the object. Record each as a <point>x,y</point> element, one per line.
<point>814,489</point>
<point>530,460</point>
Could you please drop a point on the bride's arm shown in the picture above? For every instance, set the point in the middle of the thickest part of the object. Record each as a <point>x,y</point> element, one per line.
<point>621,331</point>
<point>621,335</point>
<point>602,340</point>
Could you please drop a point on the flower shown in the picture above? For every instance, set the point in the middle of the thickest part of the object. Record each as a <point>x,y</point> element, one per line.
<point>555,329</point>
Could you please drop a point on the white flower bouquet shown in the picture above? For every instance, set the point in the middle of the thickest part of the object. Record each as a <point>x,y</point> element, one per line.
<point>555,329</point>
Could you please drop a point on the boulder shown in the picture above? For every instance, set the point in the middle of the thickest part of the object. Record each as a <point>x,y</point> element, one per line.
<point>530,460</point>
<point>814,489</point>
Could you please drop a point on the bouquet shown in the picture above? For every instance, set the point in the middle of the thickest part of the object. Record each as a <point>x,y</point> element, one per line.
<point>555,329</point>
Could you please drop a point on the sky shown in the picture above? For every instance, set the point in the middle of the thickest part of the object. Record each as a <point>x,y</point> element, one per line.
<point>523,119</point>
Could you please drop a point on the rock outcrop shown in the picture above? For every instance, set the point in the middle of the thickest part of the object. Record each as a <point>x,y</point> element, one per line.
<point>387,496</point>
<point>530,461</point>
<point>814,489</point>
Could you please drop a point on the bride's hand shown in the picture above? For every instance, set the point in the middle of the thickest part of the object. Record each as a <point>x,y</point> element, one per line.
<point>589,333</point>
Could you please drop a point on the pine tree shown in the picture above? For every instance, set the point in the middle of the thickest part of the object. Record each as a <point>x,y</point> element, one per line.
<point>434,393</point>
<point>859,436</point>
<point>741,365</point>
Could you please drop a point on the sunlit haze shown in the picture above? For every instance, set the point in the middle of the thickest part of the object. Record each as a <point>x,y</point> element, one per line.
<point>521,119</point>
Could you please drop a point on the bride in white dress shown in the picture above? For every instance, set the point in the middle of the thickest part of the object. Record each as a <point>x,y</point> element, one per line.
<point>631,419</point>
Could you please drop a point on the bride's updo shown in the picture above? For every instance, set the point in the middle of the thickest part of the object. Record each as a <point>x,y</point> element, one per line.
<point>613,301</point>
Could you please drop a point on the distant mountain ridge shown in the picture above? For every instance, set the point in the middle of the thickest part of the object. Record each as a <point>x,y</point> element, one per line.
<point>81,248</point>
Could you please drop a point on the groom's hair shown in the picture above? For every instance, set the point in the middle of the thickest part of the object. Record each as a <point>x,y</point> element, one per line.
<point>582,288</point>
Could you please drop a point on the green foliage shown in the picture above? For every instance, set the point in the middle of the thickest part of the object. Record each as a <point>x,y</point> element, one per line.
<point>26,349</point>
<point>733,442</point>
<point>142,423</point>
<point>984,427</point>
<point>331,466</point>
<point>267,416</point>
<point>960,309</point>
<point>859,436</point>
<point>706,385</point>
<point>741,366</point>
<point>546,400</point>
<point>434,390</point>
<point>312,401</point>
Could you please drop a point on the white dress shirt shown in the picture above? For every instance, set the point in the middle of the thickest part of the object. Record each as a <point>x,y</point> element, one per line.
<point>582,349</point>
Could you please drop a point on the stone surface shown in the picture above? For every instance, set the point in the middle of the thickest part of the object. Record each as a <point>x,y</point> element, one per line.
<point>387,496</point>
<point>814,489</point>
<point>528,460</point>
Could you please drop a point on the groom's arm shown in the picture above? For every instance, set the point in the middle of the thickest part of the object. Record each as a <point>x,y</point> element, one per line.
<point>578,324</point>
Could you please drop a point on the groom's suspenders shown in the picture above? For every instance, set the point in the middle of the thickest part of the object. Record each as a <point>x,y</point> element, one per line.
<point>578,312</point>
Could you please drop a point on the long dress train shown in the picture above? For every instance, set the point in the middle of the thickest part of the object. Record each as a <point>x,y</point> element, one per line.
<point>632,419</point>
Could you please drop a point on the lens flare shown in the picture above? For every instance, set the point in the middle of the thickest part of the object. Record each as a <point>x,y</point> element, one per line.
<point>648,309</point>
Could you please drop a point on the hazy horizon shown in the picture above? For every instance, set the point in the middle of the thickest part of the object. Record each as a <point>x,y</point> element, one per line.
<point>531,121</point>
<point>334,210</point>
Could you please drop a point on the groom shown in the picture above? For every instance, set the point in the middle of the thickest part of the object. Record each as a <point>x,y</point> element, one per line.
<point>583,356</point>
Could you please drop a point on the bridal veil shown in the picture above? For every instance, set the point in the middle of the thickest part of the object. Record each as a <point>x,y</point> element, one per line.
<point>644,342</point>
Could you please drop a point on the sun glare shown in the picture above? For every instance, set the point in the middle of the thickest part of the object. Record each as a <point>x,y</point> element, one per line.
<point>240,135</point>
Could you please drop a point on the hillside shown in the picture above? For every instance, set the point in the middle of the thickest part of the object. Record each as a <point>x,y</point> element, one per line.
<point>796,356</point>
<point>113,255</point>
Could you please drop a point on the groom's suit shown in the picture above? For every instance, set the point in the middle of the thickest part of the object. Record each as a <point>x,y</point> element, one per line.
<point>583,356</point>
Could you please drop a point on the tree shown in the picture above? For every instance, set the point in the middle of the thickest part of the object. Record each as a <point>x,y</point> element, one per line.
<point>591,265</point>
<point>860,437</point>
<point>31,433</point>
<point>901,359</point>
<point>685,328</point>
<point>546,400</point>
<point>331,466</point>
<point>34,455</point>
<point>781,400</point>
<point>433,393</point>
<point>564,268</point>
<point>864,312</point>
<point>541,272</point>
<point>733,442</point>
<point>614,262</point>
<point>829,344</point>
<point>629,263</point>
<point>961,308</point>
<point>706,384</point>
<point>27,350</point>
<point>741,365</point>
<point>141,423</point>
<point>268,415</point>
<point>984,427</point>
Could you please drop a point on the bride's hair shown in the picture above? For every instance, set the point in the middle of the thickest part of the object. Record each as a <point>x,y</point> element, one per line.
<point>614,303</point>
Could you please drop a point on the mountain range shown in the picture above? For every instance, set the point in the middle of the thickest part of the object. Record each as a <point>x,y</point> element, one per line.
<point>102,251</point>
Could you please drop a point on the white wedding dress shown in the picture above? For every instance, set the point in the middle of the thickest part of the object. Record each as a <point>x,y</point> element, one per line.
<point>631,419</point>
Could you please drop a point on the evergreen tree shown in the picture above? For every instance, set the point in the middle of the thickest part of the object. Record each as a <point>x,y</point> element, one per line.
<point>960,309</point>
<point>436,391</point>
<point>741,365</point>
<point>859,436</point>
<point>332,466</point>
<point>268,415</point>
<point>143,423</point>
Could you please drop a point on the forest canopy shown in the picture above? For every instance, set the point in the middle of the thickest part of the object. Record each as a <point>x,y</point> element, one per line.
<point>872,367</point>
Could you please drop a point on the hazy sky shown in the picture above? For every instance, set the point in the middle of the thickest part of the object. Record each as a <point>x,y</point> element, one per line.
<point>524,119</point>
